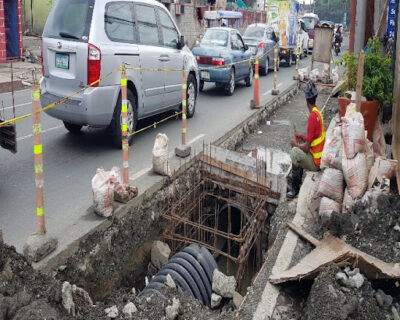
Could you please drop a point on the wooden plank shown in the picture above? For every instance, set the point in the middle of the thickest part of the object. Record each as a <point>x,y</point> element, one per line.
<point>360,77</point>
<point>303,234</point>
<point>236,171</point>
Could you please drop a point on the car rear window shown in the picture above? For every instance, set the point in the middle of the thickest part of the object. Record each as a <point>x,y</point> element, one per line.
<point>254,32</point>
<point>215,38</point>
<point>69,19</point>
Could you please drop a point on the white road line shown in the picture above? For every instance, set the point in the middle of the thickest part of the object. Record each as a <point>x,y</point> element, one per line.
<point>140,173</point>
<point>196,138</point>
<point>16,106</point>
<point>43,131</point>
<point>269,91</point>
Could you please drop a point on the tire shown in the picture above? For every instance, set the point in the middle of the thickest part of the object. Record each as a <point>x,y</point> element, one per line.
<point>72,128</point>
<point>249,79</point>
<point>230,87</point>
<point>116,122</point>
<point>191,96</point>
<point>201,87</point>
<point>264,70</point>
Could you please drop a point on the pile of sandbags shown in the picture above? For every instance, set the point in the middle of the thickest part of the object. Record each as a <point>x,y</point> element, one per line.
<point>326,77</point>
<point>352,164</point>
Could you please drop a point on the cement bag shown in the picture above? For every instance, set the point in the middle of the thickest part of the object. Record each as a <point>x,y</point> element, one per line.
<point>304,74</point>
<point>333,150</point>
<point>103,193</point>
<point>325,72</point>
<point>383,168</point>
<point>348,202</point>
<point>314,75</point>
<point>356,175</point>
<point>378,139</point>
<point>160,155</point>
<point>331,185</point>
<point>353,133</point>
<point>369,154</point>
<point>335,75</point>
<point>327,207</point>
<point>120,192</point>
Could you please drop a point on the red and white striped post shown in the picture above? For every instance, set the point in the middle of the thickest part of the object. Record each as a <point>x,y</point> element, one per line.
<point>124,127</point>
<point>275,91</point>
<point>38,159</point>
<point>256,100</point>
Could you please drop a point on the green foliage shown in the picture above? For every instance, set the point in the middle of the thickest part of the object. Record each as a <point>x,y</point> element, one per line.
<point>377,82</point>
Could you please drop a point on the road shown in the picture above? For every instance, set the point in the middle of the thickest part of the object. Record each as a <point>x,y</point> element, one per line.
<point>70,161</point>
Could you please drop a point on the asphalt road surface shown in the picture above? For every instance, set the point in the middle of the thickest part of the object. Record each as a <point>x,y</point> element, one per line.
<point>70,161</point>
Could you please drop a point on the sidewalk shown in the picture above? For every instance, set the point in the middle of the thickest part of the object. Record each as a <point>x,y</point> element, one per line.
<point>18,75</point>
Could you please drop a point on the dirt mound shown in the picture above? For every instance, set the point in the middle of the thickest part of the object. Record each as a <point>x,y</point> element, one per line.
<point>330,300</point>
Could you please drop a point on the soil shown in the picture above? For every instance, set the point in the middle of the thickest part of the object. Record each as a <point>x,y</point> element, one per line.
<point>328,300</point>
<point>371,231</point>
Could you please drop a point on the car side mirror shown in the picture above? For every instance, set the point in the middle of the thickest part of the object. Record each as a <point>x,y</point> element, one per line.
<point>181,43</point>
<point>246,47</point>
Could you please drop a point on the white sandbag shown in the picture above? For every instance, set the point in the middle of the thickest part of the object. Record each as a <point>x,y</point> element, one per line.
<point>356,175</point>
<point>353,132</point>
<point>160,155</point>
<point>331,185</point>
<point>120,191</point>
<point>325,71</point>
<point>314,75</point>
<point>335,75</point>
<point>348,202</point>
<point>303,74</point>
<point>382,168</point>
<point>327,207</point>
<point>378,139</point>
<point>333,150</point>
<point>369,154</point>
<point>103,193</point>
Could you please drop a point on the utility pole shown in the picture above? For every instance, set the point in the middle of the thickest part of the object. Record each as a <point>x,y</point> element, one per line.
<point>353,12</point>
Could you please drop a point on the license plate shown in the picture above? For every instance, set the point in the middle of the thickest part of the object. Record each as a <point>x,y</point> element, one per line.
<point>62,61</point>
<point>205,75</point>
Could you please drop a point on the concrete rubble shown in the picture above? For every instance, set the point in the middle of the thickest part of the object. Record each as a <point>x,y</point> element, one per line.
<point>160,252</point>
<point>112,312</point>
<point>223,285</point>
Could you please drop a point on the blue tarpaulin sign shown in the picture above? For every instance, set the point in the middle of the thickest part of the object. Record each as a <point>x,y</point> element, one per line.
<point>391,26</point>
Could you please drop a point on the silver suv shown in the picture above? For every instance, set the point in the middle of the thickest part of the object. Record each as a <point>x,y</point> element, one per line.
<point>84,40</point>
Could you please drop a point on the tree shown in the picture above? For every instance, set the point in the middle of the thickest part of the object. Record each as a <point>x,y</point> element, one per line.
<point>332,10</point>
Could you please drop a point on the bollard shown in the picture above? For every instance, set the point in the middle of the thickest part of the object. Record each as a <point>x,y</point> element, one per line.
<point>124,127</point>
<point>296,76</point>
<point>275,91</point>
<point>38,159</point>
<point>183,150</point>
<point>40,244</point>
<point>255,103</point>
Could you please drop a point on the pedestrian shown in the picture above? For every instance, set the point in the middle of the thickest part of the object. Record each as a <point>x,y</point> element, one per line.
<point>307,150</point>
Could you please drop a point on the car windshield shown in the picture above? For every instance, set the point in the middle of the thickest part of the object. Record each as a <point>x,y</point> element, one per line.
<point>215,38</point>
<point>309,23</point>
<point>69,19</point>
<point>254,32</point>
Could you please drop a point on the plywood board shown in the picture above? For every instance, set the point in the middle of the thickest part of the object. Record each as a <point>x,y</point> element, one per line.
<point>322,45</point>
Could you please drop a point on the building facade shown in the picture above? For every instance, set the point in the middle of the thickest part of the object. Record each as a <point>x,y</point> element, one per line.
<point>10,30</point>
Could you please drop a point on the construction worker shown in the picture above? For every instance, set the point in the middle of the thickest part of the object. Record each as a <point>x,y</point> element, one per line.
<point>307,150</point>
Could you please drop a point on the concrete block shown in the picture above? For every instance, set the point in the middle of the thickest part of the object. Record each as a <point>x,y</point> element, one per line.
<point>223,285</point>
<point>275,92</point>
<point>160,252</point>
<point>38,246</point>
<point>183,151</point>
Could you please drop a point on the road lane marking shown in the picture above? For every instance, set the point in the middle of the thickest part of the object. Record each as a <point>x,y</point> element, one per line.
<point>43,131</point>
<point>269,91</point>
<point>196,138</point>
<point>16,106</point>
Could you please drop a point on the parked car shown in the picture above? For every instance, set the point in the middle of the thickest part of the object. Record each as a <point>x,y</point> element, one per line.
<point>84,40</point>
<point>223,49</point>
<point>261,40</point>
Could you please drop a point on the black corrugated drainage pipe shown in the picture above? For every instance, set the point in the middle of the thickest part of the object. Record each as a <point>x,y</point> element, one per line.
<point>192,270</point>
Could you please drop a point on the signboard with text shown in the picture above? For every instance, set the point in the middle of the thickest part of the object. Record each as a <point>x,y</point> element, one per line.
<point>391,25</point>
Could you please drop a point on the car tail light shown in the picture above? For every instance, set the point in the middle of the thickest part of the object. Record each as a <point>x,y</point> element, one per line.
<point>198,59</point>
<point>261,46</point>
<point>284,51</point>
<point>41,58</point>
<point>94,64</point>
<point>218,61</point>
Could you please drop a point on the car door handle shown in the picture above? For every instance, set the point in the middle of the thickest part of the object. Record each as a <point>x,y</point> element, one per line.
<point>164,58</point>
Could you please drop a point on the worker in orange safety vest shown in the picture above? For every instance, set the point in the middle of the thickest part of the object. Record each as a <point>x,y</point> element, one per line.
<point>307,150</point>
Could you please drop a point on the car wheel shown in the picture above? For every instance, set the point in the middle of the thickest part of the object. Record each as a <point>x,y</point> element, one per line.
<point>249,79</point>
<point>265,68</point>
<point>117,120</point>
<point>201,87</point>
<point>230,87</point>
<point>191,96</point>
<point>73,128</point>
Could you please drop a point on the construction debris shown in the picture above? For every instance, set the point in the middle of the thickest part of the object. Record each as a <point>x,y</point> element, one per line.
<point>333,250</point>
<point>223,285</point>
<point>160,253</point>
